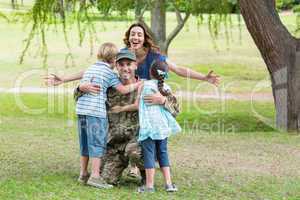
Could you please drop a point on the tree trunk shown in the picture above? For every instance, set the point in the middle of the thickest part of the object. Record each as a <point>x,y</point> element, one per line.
<point>69,6</point>
<point>61,9</point>
<point>281,53</point>
<point>13,4</point>
<point>158,24</point>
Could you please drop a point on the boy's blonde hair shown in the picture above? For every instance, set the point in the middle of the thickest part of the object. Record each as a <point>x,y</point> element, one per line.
<point>107,52</point>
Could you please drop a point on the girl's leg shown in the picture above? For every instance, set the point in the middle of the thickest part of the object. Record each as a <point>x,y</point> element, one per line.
<point>148,149</point>
<point>167,175</point>
<point>150,177</point>
<point>163,159</point>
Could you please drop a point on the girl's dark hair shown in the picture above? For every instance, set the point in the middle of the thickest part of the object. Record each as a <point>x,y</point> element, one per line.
<point>148,43</point>
<point>155,71</point>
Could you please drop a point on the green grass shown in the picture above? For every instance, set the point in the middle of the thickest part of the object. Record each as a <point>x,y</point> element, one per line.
<point>39,154</point>
<point>227,116</point>
<point>199,115</point>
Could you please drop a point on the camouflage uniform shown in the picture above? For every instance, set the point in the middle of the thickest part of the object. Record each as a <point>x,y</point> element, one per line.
<point>122,145</point>
<point>122,131</point>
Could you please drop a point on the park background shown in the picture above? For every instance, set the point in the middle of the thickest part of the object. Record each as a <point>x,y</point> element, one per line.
<point>229,147</point>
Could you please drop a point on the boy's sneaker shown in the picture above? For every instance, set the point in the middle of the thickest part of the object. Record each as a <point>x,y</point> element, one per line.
<point>171,188</point>
<point>98,183</point>
<point>83,179</point>
<point>144,189</point>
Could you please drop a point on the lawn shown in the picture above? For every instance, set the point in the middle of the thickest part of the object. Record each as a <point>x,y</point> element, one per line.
<point>246,159</point>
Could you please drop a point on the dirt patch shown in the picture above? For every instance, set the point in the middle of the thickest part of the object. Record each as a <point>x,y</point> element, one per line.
<point>252,156</point>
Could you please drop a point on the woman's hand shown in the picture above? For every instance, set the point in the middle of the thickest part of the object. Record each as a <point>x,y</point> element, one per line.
<point>89,88</point>
<point>53,80</point>
<point>116,109</point>
<point>155,99</point>
<point>212,78</point>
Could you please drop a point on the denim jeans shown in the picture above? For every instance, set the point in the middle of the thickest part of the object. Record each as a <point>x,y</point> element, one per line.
<point>92,133</point>
<point>153,149</point>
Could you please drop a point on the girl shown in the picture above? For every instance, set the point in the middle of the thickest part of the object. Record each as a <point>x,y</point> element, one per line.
<point>156,125</point>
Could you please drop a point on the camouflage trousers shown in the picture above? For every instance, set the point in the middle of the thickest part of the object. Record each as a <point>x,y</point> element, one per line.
<point>117,159</point>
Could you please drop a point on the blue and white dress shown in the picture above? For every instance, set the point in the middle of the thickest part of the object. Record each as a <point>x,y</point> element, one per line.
<point>155,121</point>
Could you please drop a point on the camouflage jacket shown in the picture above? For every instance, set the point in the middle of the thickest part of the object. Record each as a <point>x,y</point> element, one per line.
<point>123,126</point>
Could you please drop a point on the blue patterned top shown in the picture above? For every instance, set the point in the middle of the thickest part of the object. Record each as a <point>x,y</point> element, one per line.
<point>155,121</point>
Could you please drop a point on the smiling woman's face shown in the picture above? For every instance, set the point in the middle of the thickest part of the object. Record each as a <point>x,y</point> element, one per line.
<point>136,38</point>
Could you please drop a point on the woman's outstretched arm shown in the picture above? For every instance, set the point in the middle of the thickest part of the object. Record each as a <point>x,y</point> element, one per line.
<point>189,73</point>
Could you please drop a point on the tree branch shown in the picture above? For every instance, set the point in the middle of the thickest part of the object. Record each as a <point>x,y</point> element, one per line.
<point>140,19</point>
<point>178,14</point>
<point>148,29</point>
<point>139,16</point>
<point>180,24</point>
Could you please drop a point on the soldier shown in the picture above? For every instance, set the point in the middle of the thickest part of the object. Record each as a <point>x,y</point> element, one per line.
<point>122,147</point>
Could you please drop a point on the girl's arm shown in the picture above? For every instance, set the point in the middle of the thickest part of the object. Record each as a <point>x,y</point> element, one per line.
<point>124,89</point>
<point>188,73</point>
<point>131,107</point>
<point>54,80</point>
<point>169,102</point>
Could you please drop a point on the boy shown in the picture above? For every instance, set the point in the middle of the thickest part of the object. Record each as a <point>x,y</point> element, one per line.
<point>92,116</point>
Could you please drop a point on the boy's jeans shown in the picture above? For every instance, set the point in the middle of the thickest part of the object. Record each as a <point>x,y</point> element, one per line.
<point>92,135</point>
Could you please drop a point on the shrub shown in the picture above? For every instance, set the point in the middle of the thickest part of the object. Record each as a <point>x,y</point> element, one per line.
<point>286,4</point>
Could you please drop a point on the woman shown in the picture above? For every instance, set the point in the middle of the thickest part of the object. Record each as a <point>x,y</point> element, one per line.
<point>139,40</point>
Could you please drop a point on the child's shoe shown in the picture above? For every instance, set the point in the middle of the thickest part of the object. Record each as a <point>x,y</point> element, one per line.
<point>144,189</point>
<point>171,188</point>
<point>98,183</point>
<point>83,179</point>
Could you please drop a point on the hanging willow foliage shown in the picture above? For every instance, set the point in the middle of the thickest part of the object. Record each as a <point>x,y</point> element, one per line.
<point>218,14</point>
<point>51,14</point>
<point>2,15</point>
<point>55,14</point>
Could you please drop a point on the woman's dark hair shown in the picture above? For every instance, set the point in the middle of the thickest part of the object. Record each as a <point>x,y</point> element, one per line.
<point>158,71</point>
<point>148,43</point>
